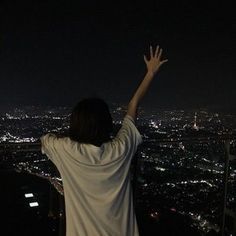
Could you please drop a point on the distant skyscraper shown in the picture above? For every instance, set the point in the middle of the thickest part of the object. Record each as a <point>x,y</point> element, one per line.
<point>195,122</point>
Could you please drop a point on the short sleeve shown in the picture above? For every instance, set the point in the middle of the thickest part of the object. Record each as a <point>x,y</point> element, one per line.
<point>128,137</point>
<point>49,146</point>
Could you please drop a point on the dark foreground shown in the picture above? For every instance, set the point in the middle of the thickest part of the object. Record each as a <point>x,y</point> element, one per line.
<point>18,218</point>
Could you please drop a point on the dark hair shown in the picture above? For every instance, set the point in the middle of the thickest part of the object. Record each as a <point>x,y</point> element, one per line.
<point>91,122</point>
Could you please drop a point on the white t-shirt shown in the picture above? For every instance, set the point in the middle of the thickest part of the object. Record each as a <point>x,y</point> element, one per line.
<point>96,181</point>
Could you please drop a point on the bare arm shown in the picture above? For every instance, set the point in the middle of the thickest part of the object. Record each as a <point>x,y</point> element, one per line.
<point>153,65</point>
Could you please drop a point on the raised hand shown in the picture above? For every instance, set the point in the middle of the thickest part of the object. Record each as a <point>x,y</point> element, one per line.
<point>153,65</point>
<point>155,62</point>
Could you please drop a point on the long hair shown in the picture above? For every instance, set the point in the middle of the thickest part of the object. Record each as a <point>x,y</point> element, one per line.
<point>91,122</point>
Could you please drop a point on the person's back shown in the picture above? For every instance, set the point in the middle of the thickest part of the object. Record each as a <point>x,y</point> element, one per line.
<point>96,182</point>
<point>95,169</point>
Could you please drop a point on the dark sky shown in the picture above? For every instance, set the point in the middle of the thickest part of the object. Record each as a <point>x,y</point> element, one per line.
<point>56,52</point>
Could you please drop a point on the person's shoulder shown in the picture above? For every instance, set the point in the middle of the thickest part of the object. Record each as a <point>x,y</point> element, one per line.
<point>51,137</point>
<point>65,140</point>
<point>129,118</point>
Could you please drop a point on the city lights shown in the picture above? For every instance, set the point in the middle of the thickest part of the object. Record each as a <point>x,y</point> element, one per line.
<point>179,162</point>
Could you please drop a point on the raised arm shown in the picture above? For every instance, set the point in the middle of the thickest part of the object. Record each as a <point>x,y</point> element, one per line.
<point>153,65</point>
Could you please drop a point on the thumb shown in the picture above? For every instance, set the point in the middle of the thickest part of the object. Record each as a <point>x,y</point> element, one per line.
<point>164,61</point>
<point>145,59</point>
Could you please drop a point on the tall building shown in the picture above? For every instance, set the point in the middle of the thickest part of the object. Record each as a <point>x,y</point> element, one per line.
<point>195,126</point>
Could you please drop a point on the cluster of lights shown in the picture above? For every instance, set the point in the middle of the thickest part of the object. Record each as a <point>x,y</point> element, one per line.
<point>196,182</point>
<point>191,182</point>
<point>210,170</point>
<point>31,203</point>
<point>153,124</point>
<point>155,215</point>
<point>11,138</point>
<point>160,168</point>
<point>11,117</point>
<point>200,222</point>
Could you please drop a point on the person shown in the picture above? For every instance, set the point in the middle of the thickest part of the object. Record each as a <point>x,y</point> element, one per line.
<point>95,169</point>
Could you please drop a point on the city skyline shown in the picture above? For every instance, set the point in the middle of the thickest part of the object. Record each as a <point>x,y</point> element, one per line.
<point>180,165</point>
<point>57,53</point>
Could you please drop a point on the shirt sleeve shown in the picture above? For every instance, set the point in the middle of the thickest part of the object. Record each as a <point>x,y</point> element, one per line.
<point>128,137</point>
<point>49,147</point>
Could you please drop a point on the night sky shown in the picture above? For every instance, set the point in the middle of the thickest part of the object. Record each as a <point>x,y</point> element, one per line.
<point>56,52</point>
